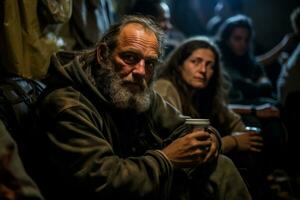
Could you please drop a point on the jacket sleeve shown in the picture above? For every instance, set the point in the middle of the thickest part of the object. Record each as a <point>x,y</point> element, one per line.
<point>233,121</point>
<point>80,141</point>
<point>168,92</point>
<point>12,173</point>
<point>252,87</point>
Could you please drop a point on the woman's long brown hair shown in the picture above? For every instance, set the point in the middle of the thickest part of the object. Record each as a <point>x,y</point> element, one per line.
<point>205,103</point>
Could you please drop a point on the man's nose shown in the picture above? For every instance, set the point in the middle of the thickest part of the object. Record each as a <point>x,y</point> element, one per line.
<point>139,68</point>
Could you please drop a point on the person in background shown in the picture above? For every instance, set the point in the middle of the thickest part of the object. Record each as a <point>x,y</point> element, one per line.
<point>223,10</point>
<point>288,81</point>
<point>250,85</point>
<point>106,134</point>
<point>288,86</point>
<point>251,90</point>
<point>15,184</point>
<point>248,78</point>
<point>160,11</point>
<point>192,80</point>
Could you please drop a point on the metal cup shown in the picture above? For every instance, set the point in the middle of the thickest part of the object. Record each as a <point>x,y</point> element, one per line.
<point>197,123</point>
<point>253,129</point>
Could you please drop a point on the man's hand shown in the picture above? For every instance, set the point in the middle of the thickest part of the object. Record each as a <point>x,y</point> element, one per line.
<point>214,148</point>
<point>192,149</point>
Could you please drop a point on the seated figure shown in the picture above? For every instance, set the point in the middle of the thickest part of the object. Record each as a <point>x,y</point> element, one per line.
<point>104,133</point>
<point>251,93</point>
<point>192,80</point>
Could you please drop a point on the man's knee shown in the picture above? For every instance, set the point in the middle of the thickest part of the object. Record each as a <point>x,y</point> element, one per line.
<point>229,182</point>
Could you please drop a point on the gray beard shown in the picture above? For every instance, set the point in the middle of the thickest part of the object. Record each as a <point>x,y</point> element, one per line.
<point>111,85</point>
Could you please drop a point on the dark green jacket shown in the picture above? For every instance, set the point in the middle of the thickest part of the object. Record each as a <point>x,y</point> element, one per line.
<point>95,151</point>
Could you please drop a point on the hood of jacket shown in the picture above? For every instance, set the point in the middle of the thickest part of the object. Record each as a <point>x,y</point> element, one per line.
<point>66,69</point>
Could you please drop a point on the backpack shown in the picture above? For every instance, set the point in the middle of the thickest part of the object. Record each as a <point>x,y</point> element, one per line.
<point>18,96</point>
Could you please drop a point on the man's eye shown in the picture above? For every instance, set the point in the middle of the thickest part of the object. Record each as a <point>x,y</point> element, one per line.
<point>130,58</point>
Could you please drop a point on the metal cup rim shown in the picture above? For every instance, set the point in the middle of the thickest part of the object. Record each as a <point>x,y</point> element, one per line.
<point>195,121</point>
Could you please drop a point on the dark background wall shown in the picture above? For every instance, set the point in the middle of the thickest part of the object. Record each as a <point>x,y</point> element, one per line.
<point>270,17</point>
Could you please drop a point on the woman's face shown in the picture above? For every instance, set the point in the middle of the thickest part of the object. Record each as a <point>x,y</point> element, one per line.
<point>198,68</point>
<point>239,40</point>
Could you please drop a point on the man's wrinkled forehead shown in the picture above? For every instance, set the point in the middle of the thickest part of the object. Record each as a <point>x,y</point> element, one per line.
<point>138,35</point>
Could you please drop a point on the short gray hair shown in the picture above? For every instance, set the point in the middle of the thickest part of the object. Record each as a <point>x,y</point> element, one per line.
<point>110,38</point>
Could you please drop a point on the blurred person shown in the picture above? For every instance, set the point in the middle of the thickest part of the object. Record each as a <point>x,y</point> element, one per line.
<point>249,81</point>
<point>160,11</point>
<point>251,91</point>
<point>15,184</point>
<point>288,81</point>
<point>288,86</point>
<point>105,133</point>
<point>223,9</point>
<point>192,80</point>
<point>17,96</point>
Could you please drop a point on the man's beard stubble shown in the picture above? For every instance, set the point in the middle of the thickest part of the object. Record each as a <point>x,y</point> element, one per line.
<point>109,83</point>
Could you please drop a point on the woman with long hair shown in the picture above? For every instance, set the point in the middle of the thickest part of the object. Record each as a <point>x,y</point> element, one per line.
<point>192,80</point>
<point>251,92</point>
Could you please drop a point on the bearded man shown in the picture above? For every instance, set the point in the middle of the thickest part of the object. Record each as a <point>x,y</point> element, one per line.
<point>106,134</point>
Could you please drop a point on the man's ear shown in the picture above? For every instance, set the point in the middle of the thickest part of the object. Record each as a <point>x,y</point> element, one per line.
<point>102,52</point>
